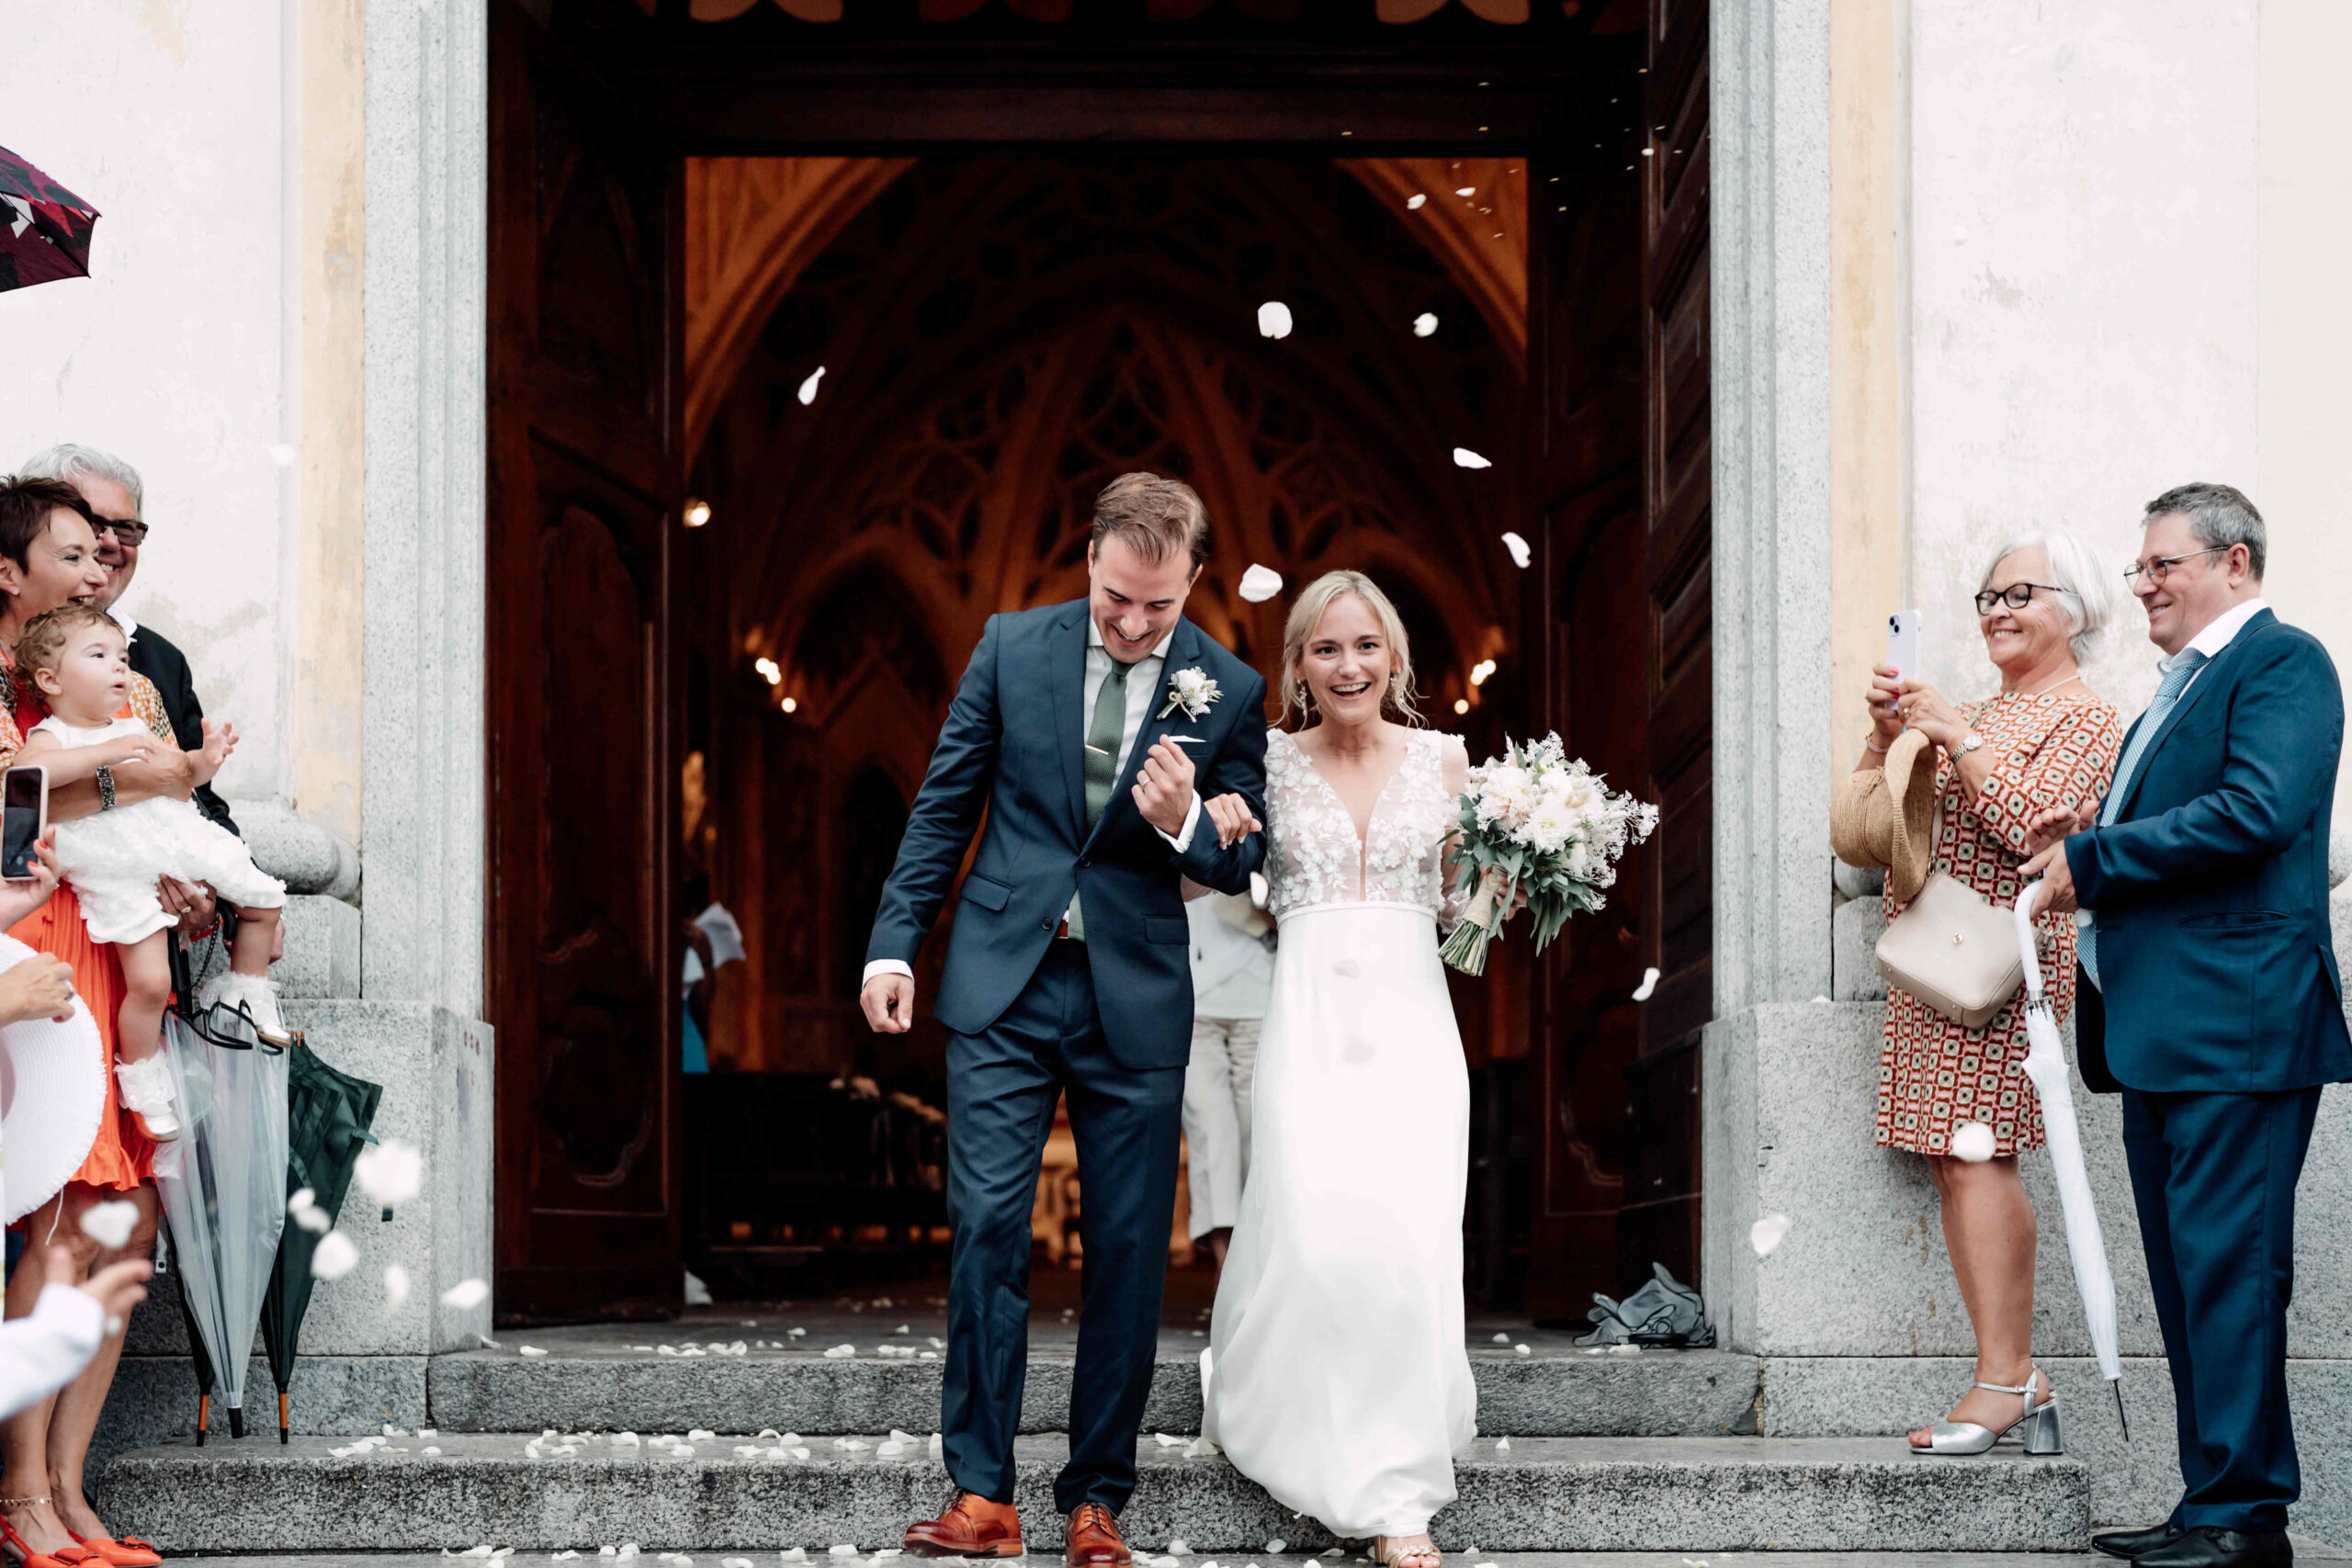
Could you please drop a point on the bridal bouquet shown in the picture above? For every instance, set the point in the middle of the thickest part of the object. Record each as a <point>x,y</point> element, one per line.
<point>1537,821</point>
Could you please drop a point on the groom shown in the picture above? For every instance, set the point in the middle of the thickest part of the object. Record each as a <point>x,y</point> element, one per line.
<point>2218,1009</point>
<point>1091,732</point>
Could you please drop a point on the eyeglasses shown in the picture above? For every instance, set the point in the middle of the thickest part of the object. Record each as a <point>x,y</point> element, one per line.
<point>126,530</point>
<point>2017,595</point>
<point>2161,567</point>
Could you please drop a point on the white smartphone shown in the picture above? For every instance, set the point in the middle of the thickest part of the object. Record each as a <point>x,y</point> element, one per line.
<point>1902,644</point>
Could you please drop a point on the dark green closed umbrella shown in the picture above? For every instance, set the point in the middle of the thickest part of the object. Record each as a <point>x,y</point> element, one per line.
<point>328,1117</point>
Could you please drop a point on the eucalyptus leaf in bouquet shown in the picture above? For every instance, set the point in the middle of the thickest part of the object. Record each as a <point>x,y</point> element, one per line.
<point>1538,822</point>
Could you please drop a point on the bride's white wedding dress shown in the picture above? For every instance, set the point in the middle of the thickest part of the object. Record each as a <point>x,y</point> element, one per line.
<point>1338,1378</point>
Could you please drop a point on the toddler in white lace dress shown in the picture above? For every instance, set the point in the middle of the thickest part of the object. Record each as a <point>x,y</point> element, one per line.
<point>77,659</point>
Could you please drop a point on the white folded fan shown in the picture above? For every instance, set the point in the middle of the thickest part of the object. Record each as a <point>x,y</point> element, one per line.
<point>52,1091</point>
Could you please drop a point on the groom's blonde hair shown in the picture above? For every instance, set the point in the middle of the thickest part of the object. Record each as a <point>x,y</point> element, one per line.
<point>1298,704</point>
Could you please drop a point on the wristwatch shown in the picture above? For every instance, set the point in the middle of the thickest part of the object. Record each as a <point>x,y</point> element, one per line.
<point>1968,742</point>
<point>105,776</point>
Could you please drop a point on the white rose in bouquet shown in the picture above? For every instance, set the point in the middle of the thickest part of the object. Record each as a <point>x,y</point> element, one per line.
<point>1505,795</point>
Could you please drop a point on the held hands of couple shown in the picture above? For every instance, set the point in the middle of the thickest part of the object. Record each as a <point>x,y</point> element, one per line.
<point>2045,838</point>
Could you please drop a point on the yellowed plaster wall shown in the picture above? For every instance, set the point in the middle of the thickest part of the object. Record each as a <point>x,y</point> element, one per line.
<point>2304,329</point>
<point>326,716</point>
<point>1867,520</point>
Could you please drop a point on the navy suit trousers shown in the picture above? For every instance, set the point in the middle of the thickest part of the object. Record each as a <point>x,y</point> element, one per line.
<point>2213,1176</point>
<point>1001,1088</point>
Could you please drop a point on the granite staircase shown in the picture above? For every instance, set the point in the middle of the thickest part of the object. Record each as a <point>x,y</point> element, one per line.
<point>780,1445</point>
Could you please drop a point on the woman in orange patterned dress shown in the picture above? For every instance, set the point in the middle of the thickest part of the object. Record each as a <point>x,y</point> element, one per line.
<point>49,554</point>
<point>2046,741</point>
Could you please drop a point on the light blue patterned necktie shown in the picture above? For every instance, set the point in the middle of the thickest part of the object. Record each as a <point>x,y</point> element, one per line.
<point>2168,691</point>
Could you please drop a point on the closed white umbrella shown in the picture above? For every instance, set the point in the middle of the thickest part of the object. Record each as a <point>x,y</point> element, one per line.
<point>2045,1063</point>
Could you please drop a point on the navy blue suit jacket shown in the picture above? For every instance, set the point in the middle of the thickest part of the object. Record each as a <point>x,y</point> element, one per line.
<point>1014,742</point>
<point>2216,964</point>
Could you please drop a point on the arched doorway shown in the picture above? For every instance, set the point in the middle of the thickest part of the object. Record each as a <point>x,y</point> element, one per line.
<point>861,598</point>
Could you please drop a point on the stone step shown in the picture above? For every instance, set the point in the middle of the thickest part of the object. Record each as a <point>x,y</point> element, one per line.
<point>1679,1494</point>
<point>1554,1391</point>
<point>763,1557</point>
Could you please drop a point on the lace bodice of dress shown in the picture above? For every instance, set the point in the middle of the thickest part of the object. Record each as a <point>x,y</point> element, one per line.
<point>1312,853</point>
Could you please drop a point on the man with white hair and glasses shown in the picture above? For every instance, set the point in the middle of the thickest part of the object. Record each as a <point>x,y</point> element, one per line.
<point>2213,1003</point>
<point>117,501</point>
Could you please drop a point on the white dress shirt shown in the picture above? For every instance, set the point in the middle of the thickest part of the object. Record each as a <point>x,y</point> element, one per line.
<point>1143,689</point>
<point>2218,633</point>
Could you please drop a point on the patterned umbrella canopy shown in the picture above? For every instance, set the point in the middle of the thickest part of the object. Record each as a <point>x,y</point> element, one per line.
<point>44,228</point>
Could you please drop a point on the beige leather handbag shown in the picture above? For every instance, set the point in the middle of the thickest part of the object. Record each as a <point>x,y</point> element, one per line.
<point>1953,950</point>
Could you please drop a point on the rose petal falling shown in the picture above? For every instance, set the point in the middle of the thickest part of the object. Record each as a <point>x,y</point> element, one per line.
<point>809,386</point>
<point>1274,319</point>
<point>390,1173</point>
<point>304,1207</point>
<point>1425,324</point>
<point>1259,889</point>
<point>1650,984</point>
<point>1467,190</point>
<point>396,1287</point>
<point>1259,583</point>
<point>1466,458</point>
<point>466,1293</point>
<point>1413,203</point>
<point>1972,1141</point>
<point>109,1224</point>
<point>337,1255</point>
<point>1767,1232</point>
<point>1520,554</point>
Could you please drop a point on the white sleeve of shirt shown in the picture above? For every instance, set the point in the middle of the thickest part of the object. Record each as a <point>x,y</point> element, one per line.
<point>1181,839</point>
<point>43,1352</point>
<point>887,966</point>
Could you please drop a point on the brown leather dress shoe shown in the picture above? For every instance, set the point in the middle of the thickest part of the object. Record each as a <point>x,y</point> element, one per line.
<point>972,1527</point>
<point>1094,1540</point>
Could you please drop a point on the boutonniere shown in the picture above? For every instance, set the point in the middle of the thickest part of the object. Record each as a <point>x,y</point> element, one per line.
<point>1191,690</point>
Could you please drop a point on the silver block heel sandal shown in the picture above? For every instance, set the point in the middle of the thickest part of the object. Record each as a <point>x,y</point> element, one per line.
<point>2043,1435</point>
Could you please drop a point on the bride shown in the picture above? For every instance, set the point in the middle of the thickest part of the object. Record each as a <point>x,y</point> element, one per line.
<point>1337,1376</point>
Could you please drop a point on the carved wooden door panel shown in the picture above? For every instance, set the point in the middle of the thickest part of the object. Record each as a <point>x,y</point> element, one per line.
<point>1617,277</point>
<point>585,396</point>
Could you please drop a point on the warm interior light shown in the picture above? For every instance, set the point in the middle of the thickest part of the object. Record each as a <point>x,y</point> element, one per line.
<point>792,705</point>
<point>1462,705</point>
<point>1480,670</point>
<point>768,669</point>
<point>697,514</point>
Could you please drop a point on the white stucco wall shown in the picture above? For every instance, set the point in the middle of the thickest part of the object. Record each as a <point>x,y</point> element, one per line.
<point>168,118</point>
<point>2083,264</point>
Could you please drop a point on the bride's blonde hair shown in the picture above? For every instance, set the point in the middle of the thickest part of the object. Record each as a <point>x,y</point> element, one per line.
<point>1298,703</point>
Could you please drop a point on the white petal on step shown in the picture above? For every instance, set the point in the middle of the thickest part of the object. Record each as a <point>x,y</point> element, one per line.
<point>1274,319</point>
<point>1180,1548</point>
<point>1425,324</point>
<point>1259,583</point>
<point>843,1550</point>
<point>795,1554</point>
<point>1520,554</point>
<point>902,1328</point>
<point>431,1450</point>
<point>809,386</point>
<point>109,1224</point>
<point>1502,1445</point>
<point>734,1562</point>
<point>1165,1442</point>
<point>337,1255</point>
<point>796,1333</point>
<point>936,1344</point>
<point>667,1350</point>
<point>1767,1232</point>
<point>465,1293</point>
<point>1335,1551</point>
<point>1650,984</point>
<point>700,1435</point>
<point>1466,458</point>
<point>1413,203</point>
<point>625,1439</point>
<point>800,1453</point>
<point>395,1287</point>
<point>889,1450</point>
<point>1502,1338</point>
<point>1625,1349</point>
<point>533,1350</point>
<point>1276,1547</point>
<point>391,1172</point>
<point>928,1356</point>
<point>841,1352</point>
<point>1972,1141</point>
<point>1522,1349</point>
<point>1201,1448</point>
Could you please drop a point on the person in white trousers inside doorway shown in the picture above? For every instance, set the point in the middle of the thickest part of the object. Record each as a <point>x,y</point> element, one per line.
<point>1233,969</point>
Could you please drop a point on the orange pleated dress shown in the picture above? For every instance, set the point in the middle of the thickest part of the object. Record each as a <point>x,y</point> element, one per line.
<point>122,1157</point>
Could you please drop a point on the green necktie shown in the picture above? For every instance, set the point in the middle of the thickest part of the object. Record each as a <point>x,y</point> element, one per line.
<point>1103,740</point>
<point>1102,759</point>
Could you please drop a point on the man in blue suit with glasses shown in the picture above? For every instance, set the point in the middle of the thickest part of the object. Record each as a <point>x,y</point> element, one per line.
<point>2214,1005</point>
